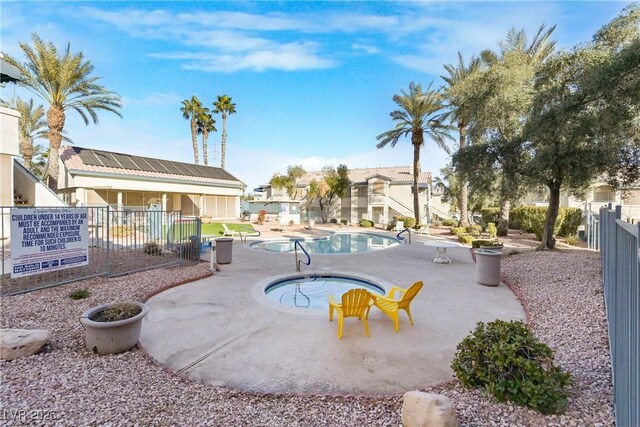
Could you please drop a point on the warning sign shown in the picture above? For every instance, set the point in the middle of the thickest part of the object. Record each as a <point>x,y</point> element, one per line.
<point>44,240</point>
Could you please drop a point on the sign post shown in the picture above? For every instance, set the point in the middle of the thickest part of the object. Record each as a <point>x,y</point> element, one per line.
<point>45,240</point>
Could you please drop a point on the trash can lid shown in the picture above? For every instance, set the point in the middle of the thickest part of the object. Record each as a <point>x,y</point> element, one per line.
<point>224,239</point>
<point>488,252</point>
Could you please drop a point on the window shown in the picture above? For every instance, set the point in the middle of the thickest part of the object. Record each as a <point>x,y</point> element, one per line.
<point>377,187</point>
<point>603,194</point>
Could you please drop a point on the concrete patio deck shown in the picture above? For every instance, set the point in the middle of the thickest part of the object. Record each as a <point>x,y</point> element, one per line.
<point>223,330</point>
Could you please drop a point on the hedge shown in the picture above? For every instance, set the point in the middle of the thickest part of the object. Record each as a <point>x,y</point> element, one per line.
<point>532,218</point>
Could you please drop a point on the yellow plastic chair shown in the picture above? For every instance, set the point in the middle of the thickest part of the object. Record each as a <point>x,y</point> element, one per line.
<point>355,303</point>
<point>390,306</point>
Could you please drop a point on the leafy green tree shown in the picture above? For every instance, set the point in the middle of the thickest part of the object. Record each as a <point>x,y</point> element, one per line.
<point>225,107</point>
<point>499,98</point>
<point>460,113</point>
<point>289,181</point>
<point>585,115</point>
<point>191,110</point>
<point>420,113</point>
<point>206,124</point>
<point>64,81</point>
<point>332,186</point>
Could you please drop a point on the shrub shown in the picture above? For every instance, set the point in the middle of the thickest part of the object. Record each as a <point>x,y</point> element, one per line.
<point>572,240</point>
<point>571,221</point>
<point>458,230</point>
<point>482,242</point>
<point>344,221</point>
<point>436,224</point>
<point>333,221</point>
<point>492,230</point>
<point>152,248</point>
<point>189,250</point>
<point>474,230</point>
<point>408,221</point>
<point>366,223</point>
<point>262,215</point>
<point>506,360</point>
<point>448,222</point>
<point>490,215</point>
<point>80,294</point>
<point>465,239</point>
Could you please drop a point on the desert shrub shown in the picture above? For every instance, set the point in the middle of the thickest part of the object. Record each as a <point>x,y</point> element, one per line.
<point>490,215</point>
<point>465,239</point>
<point>506,360</point>
<point>189,250</point>
<point>448,222</point>
<point>483,242</point>
<point>572,240</point>
<point>333,221</point>
<point>80,294</point>
<point>152,248</point>
<point>262,215</point>
<point>408,221</point>
<point>436,224</point>
<point>458,230</point>
<point>571,221</point>
<point>344,221</point>
<point>366,223</point>
<point>474,230</point>
<point>492,230</point>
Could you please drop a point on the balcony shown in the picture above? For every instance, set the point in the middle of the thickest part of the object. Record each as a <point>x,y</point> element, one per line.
<point>377,199</point>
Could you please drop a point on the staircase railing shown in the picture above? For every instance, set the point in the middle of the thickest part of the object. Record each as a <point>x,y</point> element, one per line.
<point>399,237</point>
<point>297,245</point>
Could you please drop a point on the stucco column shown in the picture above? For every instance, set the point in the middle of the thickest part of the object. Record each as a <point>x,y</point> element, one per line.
<point>119,207</point>
<point>81,196</point>
<point>164,201</point>
<point>201,205</point>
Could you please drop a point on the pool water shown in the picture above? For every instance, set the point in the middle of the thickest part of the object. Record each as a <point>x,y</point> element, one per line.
<point>312,291</point>
<point>338,243</point>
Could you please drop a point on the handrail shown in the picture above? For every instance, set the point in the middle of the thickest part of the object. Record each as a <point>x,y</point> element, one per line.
<point>297,245</point>
<point>406,230</point>
<point>255,233</point>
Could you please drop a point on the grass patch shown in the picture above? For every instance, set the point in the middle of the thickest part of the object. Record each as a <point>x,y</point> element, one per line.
<point>215,228</point>
<point>80,294</point>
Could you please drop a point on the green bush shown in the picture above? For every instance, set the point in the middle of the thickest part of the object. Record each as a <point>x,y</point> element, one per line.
<point>408,221</point>
<point>506,360</point>
<point>80,294</point>
<point>333,221</point>
<point>572,240</point>
<point>436,224</point>
<point>366,223</point>
<point>572,220</point>
<point>344,221</point>
<point>448,222</point>
<point>458,230</point>
<point>492,230</point>
<point>490,215</point>
<point>474,230</point>
<point>482,242</point>
<point>465,239</point>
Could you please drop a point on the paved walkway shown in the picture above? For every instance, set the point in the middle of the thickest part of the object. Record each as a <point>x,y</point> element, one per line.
<point>223,331</point>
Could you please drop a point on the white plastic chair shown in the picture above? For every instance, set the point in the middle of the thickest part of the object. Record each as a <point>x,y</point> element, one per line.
<point>228,232</point>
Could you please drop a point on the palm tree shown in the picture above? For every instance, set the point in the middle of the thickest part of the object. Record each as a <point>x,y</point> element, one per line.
<point>190,111</point>
<point>206,124</point>
<point>31,126</point>
<point>461,114</point>
<point>540,48</point>
<point>418,115</point>
<point>64,81</point>
<point>224,106</point>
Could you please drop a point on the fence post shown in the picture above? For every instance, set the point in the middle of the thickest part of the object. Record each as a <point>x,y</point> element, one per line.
<point>108,242</point>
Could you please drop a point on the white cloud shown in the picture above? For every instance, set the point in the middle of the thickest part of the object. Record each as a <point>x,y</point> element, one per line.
<point>365,48</point>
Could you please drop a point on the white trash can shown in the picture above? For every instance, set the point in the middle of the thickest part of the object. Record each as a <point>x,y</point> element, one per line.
<point>488,267</point>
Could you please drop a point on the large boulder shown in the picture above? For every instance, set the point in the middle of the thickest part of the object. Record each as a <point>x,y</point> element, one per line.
<point>16,343</point>
<point>421,409</point>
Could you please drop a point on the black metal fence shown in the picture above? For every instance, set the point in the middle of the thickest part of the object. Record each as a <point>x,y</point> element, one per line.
<point>118,242</point>
<point>620,250</point>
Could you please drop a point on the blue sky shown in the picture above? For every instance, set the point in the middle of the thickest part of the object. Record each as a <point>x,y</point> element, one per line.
<point>312,81</point>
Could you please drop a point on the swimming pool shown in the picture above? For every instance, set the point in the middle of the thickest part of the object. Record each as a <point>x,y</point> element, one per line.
<point>338,243</point>
<point>312,291</point>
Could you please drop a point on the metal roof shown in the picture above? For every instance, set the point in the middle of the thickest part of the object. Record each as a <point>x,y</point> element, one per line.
<point>8,73</point>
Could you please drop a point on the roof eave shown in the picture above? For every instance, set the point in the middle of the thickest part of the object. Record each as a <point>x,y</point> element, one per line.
<point>239,184</point>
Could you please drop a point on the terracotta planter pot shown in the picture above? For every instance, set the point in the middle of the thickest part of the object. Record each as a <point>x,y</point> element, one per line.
<point>205,219</point>
<point>112,337</point>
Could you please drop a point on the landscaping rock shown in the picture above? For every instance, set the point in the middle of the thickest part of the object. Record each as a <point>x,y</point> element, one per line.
<point>421,409</point>
<point>16,343</point>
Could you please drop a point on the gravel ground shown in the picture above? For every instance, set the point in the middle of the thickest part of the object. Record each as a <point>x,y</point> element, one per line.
<point>563,294</point>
